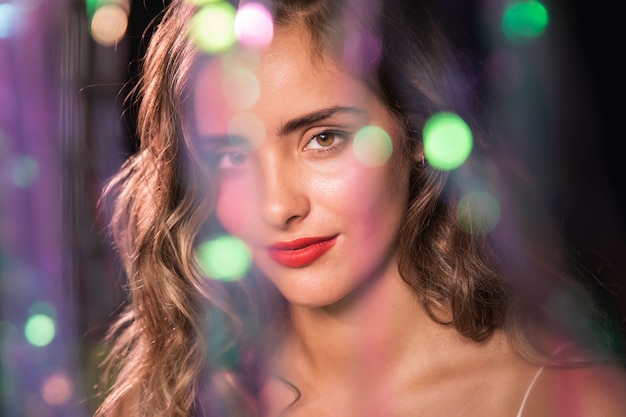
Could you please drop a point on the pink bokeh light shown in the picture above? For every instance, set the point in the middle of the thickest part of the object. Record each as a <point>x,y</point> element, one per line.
<point>254,25</point>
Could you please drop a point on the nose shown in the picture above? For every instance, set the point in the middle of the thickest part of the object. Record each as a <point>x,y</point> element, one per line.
<point>284,199</point>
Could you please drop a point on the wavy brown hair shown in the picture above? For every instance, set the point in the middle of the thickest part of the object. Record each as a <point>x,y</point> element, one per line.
<point>185,345</point>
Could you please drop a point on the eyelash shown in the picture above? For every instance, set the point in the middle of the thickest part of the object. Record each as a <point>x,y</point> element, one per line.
<point>216,159</point>
<point>339,136</point>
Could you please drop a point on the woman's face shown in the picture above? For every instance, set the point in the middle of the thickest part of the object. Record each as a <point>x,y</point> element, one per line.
<point>306,178</point>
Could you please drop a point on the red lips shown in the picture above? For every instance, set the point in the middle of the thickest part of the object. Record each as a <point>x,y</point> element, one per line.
<point>300,252</point>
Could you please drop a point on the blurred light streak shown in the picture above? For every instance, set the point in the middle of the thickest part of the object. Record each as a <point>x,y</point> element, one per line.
<point>35,85</point>
<point>9,20</point>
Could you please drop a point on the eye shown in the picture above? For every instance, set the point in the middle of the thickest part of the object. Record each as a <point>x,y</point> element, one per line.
<point>325,141</point>
<point>228,160</point>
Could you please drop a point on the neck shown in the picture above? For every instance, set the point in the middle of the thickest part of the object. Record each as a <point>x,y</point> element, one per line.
<point>367,335</point>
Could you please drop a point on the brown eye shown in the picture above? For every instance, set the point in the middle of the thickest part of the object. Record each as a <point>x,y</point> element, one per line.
<point>325,139</point>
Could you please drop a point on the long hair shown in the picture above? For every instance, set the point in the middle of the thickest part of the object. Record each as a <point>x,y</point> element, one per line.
<point>187,345</point>
<point>160,344</point>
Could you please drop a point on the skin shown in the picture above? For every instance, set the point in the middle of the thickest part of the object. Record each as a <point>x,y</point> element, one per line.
<point>360,342</point>
<point>293,185</point>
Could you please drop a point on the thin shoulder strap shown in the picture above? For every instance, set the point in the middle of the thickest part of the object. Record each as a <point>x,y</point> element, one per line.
<point>528,390</point>
<point>539,371</point>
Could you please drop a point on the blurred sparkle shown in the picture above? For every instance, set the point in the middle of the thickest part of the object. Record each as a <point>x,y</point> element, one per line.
<point>447,141</point>
<point>372,146</point>
<point>254,26</point>
<point>224,257</point>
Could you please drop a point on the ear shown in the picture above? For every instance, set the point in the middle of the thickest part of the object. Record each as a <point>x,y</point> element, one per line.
<point>418,155</point>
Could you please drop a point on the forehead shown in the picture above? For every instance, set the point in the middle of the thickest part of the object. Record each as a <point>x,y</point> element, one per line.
<point>286,79</point>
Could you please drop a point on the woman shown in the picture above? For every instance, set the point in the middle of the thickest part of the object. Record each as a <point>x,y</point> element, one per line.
<point>371,291</point>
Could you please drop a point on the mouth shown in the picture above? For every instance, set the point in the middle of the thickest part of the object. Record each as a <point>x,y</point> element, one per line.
<point>300,252</point>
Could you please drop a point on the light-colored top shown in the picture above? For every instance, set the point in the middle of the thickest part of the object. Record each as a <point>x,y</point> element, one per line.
<point>528,391</point>
<point>539,371</point>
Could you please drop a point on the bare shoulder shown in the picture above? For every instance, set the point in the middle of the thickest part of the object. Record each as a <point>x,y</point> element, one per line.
<point>589,391</point>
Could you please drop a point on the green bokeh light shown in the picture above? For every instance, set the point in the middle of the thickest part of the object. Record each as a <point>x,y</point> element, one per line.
<point>524,20</point>
<point>224,257</point>
<point>213,27</point>
<point>448,141</point>
<point>39,330</point>
<point>93,5</point>
<point>372,146</point>
<point>478,212</point>
<point>24,171</point>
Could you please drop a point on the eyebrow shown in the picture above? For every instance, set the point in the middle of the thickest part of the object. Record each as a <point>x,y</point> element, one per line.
<point>316,116</point>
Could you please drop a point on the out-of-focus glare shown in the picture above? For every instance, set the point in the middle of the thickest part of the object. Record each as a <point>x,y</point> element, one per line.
<point>362,52</point>
<point>478,212</point>
<point>9,19</point>
<point>108,24</point>
<point>240,85</point>
<point>8,379</point>
<point>524,20</point>
<point>8,106</point>
<point>203,2</point>
<point>241,89</point>
<point>570,305</point>
<point>254,26</point>
<point>240,58</point>
<point>92,6</point>
<point>24,171</point>
<point>57,389</point>
<point>27,5</point>
<point>249,126</point>
<point>35,406</point>
<point>372,146</point>
<point>448,141</point>
<point>43,307</point>
<point>7,330</point>
<point>39,330</point>
<point>224,258</point>
<point>213,27</point>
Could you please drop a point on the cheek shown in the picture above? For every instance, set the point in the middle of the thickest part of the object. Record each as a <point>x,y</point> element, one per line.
<point>375,198</point>
<point>366,190</point>
<point>235,205</point>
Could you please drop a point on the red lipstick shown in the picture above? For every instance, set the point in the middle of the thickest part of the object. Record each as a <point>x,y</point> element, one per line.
<point>300,252</point>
